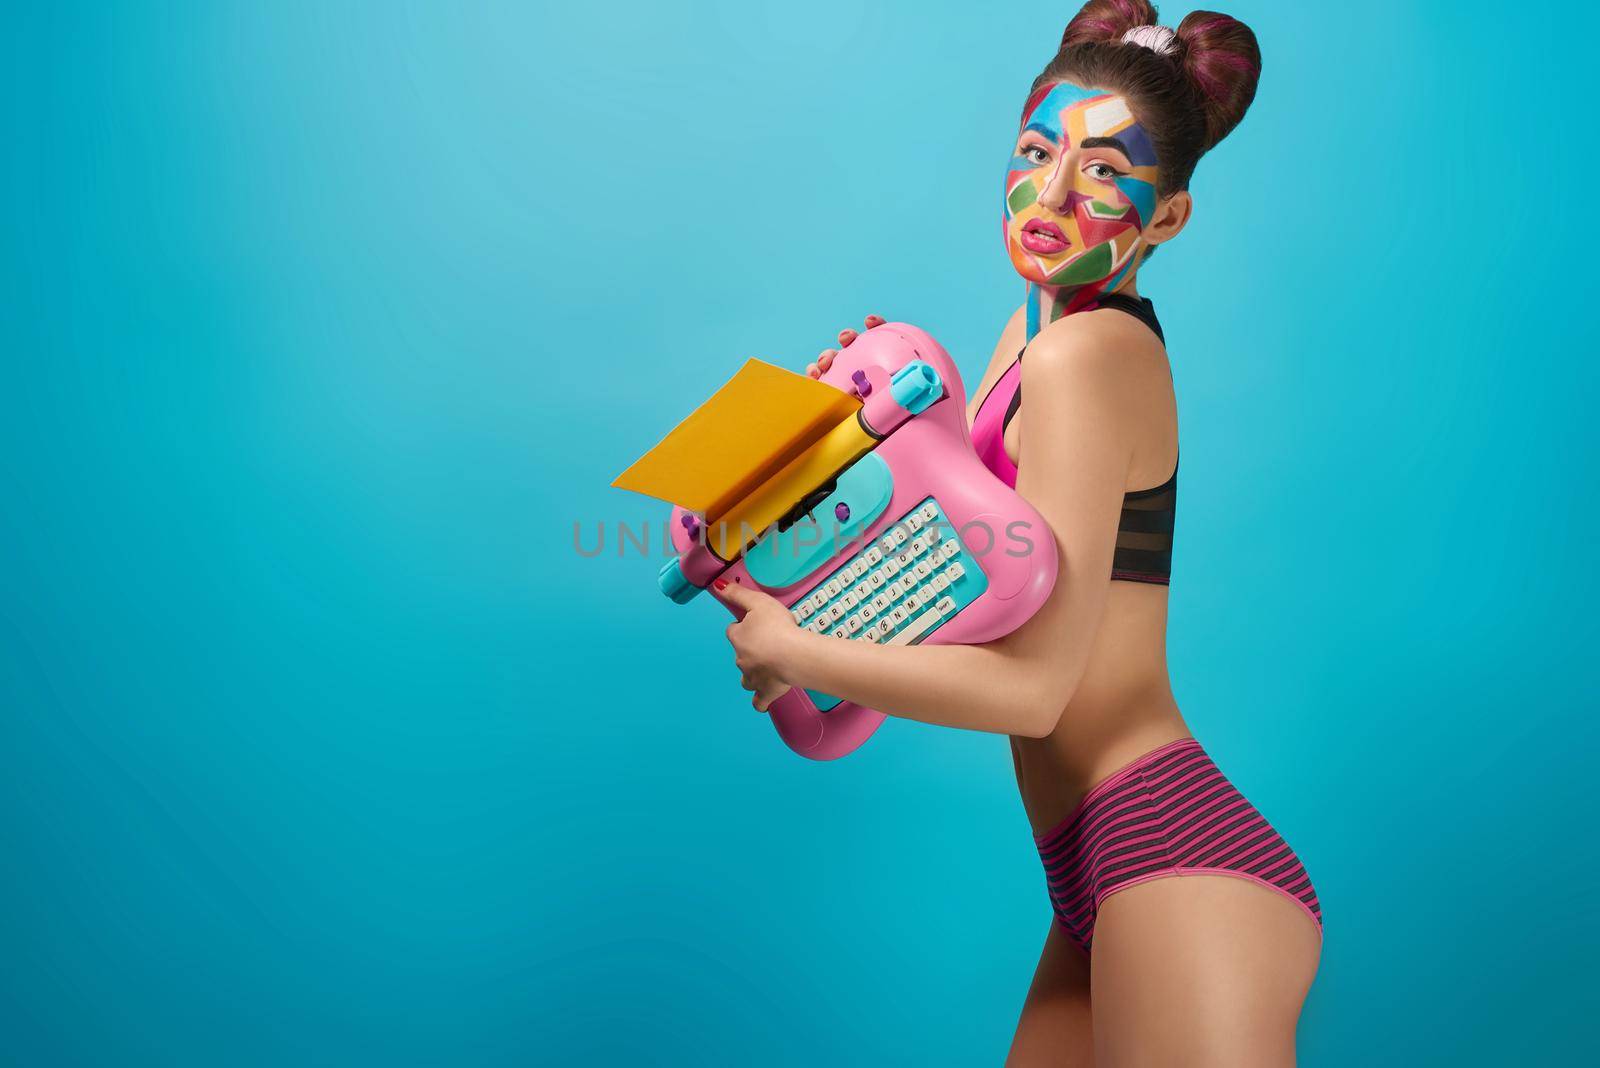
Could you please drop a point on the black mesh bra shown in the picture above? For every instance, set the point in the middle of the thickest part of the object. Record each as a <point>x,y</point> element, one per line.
<point>1144,533</point>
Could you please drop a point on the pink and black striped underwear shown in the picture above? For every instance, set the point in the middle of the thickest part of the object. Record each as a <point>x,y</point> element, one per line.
<point>1170,812</point>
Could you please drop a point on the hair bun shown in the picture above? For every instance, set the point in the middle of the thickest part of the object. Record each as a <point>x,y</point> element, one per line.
<point>1223,61</point>
<point>1108,21</point>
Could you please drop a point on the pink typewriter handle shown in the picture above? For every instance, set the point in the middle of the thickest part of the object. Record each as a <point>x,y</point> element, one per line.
<point>822,735</point>
<point>929,454</point>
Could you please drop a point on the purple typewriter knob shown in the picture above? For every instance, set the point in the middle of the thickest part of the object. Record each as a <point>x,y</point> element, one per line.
<point>863,387</point>
<point>842,510</point>
<point>691,523</point>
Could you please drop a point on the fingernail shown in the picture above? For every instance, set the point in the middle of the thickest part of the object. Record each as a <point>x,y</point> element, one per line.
<point>720,584</point>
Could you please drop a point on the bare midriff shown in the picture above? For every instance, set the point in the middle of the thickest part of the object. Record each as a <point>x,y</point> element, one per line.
<point>1122,709</point>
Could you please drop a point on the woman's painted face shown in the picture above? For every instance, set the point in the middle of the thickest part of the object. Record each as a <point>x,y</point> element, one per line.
<point>1080,188</point>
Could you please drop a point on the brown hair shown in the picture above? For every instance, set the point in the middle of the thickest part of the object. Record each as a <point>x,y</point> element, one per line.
<point>1188,94</point>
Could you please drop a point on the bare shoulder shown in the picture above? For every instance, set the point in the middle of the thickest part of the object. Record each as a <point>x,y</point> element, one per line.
<point>1104,374</point>
<point>1106,350</point>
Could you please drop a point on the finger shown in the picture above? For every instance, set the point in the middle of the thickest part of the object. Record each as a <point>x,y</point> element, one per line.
<point>847,336</point>
<point>738,597</point>
<point>769,693</point>
<point>874,320</point>
<point>813,370</point>
<point>825,361</point>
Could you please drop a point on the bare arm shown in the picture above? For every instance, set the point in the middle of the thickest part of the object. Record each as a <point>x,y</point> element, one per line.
<point>1076,449</point>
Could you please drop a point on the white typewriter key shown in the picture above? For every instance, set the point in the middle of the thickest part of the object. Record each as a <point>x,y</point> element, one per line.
<point>841,633</point>
<point>914,521</point>
<point>900,536</point>
<point>872,556</point>
<point>950,548</point>
<point>819,599</point>
<point>955,572</point>
<point>831,587</point>
<point>853,625</point>
<point>869,635</point>
<point>886,543</point>
<point>946,605</point>
<point>918,627</point>
<point>835,611</point>
<point>798,618</point>
<point>922,569</point>
<point>891,566</point>
<point>940,583</point>
<point>896,590</point>
<point>867,612</point>
<point>806,608</point>
<point>882,602</point>
<point>929,512</point>
<point>876,580</point>
<point>863,591</point>
<point>849,600</point>
<point>912,602</point>
<point>899,615</point>
<point>858,568</point>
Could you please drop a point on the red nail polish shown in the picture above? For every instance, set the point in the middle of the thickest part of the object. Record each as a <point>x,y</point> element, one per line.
<point>720,584</point>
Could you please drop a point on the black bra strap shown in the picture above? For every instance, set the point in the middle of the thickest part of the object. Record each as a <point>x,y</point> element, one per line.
<point>1139,307</point>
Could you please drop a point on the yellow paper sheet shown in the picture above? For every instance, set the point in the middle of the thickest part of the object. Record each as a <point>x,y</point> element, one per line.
<point>764,417</point>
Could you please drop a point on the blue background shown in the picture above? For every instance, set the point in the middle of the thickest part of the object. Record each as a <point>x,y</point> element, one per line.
<point>324,324</point>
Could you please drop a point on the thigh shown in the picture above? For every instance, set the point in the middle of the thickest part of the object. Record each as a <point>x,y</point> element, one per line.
<point>1200,970</point>
<point>1055,1024</point>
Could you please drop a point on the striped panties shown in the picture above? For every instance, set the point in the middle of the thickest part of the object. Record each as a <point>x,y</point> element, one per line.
<point>1170,812</point>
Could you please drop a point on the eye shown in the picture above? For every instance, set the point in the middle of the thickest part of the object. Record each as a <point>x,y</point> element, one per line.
<point>1102,172</point>
<point>1035,154</point>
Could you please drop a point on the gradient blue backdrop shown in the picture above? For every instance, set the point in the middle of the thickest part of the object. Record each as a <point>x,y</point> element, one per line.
<point>323,325</point>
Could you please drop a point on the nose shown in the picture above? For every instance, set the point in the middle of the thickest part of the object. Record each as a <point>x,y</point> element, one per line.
<point>1057,187</point>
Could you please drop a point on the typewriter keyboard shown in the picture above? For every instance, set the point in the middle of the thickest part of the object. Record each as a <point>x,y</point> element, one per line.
<point>898,589</point>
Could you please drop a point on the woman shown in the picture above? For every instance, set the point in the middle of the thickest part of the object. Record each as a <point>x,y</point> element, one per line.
<point>1189,918</point>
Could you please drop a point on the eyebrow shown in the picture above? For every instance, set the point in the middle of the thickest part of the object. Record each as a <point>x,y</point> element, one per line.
<point>1106,142</point>
<point>1043,131</point>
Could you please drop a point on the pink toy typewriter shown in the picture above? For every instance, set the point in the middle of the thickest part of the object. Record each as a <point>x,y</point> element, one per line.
<point>889,530</point>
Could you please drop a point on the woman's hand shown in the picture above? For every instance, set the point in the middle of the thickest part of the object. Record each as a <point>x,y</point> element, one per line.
<point>825,358</point>
<point>762,639</point>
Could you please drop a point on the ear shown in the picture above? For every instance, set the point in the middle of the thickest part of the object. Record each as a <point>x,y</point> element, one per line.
<point>1172,214</point>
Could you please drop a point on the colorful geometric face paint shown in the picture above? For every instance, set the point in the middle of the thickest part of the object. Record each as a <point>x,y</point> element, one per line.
<point>1079,190</point>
